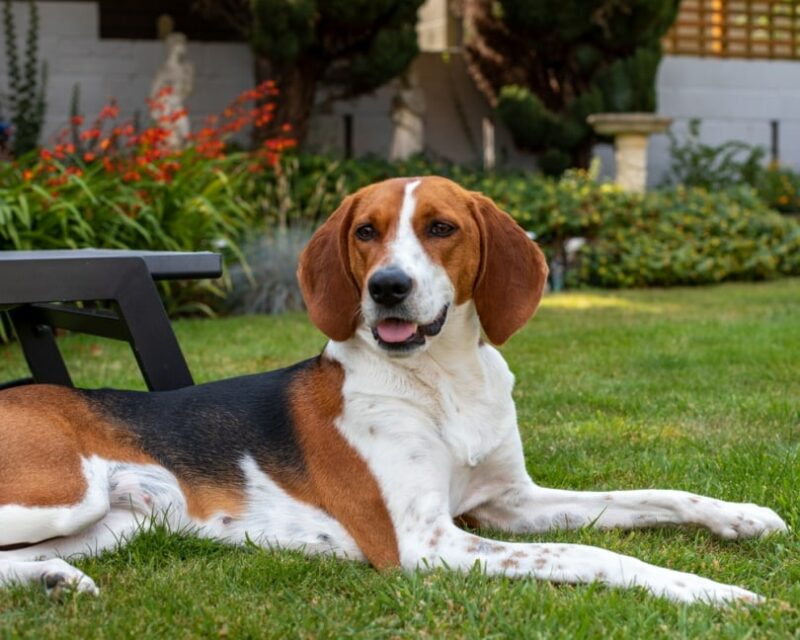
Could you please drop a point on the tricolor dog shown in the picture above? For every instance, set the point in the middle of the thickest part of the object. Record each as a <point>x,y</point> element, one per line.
<point>369,451</point>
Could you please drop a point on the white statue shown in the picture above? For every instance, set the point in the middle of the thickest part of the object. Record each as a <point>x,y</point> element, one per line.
<point>171,87</point>
<point>408,112</point>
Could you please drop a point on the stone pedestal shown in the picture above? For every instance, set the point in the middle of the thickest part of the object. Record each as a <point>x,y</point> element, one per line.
<point>630,132</point>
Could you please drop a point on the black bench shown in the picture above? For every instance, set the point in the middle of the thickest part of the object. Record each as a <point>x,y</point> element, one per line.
<point>31,281</point>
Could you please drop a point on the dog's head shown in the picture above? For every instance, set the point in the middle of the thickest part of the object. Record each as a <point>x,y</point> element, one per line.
<point>399,255</point>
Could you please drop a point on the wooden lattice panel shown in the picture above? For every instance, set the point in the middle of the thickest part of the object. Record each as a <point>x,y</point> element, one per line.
<point>736,29</point>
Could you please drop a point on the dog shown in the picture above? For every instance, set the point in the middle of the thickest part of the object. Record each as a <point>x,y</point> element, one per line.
<point>404,423</point>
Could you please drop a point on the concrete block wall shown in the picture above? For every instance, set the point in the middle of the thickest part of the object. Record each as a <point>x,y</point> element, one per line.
<point>123,69</point>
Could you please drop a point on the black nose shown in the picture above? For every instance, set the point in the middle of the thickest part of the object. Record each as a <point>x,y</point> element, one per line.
<point>389,286</point>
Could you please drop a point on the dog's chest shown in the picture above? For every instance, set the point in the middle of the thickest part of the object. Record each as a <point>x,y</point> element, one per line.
<point>459,415</point>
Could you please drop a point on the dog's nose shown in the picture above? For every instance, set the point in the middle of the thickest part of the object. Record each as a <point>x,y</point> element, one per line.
<point>389,286</point>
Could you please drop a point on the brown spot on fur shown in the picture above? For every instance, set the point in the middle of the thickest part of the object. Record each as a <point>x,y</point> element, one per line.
<point>519,554</point>
<point>45,430</point>
<point>474,544</point>
<point>338,480</point>
<point>204,500</point>
<point>540,562</point>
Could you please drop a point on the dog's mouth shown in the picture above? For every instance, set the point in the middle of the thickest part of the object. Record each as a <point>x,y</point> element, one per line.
<point>399,334</point>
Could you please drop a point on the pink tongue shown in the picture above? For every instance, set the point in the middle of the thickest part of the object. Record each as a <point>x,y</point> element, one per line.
<point>395,330</point>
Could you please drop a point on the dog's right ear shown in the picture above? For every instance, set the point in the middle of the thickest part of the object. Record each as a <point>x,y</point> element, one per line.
<point>331,294</point>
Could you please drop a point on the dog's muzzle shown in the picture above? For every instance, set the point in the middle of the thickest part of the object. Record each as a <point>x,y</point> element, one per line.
<point>398,334</point>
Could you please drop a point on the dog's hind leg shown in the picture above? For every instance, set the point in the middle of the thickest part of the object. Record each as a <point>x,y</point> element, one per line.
<point>27,523</point>
<point>23,524</point>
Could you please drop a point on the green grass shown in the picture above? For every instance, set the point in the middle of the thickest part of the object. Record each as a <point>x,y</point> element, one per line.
<point>697,389</point>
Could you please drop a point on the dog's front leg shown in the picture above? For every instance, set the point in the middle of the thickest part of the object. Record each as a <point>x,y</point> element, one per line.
<point>429,539</point>
<point>526,507</point>
<point>506,498</point>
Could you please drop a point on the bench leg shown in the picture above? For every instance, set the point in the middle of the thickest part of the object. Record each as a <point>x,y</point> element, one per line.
<point>151,336</point>
<point>40,349</point>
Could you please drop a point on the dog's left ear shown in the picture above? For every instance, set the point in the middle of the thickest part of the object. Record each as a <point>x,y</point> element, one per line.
<point>331,294</point>
<point>512,275</point>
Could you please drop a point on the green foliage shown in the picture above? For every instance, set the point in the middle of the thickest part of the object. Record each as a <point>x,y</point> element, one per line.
<point>664,238</point>
<point>344,47</point>
<point>731,164</point>
<point>26,82</point>
<point>547,65</point>
<point>690,236</point>
<point>696,164</point>
<point>780,187</point>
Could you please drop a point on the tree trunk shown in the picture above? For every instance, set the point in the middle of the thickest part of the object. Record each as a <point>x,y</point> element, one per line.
<point>296,83</point>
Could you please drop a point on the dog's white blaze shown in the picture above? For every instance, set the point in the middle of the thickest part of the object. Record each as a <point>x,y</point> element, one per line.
<point>432,287</point>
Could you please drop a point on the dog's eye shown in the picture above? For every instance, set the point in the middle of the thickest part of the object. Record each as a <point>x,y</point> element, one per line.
<point>441,229</point>
<point>366,232</point>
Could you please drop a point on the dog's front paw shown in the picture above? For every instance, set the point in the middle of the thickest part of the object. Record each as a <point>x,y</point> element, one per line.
<point>695,589</point>
<point>731,520</point>
<point>61,578</point>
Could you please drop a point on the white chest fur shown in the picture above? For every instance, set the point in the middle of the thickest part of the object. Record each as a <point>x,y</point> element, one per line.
<point>440,413</point>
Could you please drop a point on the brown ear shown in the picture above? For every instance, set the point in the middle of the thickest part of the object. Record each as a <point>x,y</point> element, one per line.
<point>512,275</point>
<point>331,294</point>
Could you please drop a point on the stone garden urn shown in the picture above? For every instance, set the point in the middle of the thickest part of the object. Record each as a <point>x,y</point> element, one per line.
<point>630,132</point>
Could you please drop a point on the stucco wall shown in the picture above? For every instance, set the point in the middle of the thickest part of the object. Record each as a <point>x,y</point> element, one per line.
<point>123,69</point>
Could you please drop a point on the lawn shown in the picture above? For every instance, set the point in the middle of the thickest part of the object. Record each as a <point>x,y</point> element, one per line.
<point>697,389</point>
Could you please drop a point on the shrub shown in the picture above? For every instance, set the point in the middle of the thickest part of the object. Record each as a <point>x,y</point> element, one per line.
<point>689,236</point>
<point>730,164</point>
<point>667,237</point>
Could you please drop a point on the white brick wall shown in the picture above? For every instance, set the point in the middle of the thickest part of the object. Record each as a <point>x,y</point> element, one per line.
<point>124,69</point>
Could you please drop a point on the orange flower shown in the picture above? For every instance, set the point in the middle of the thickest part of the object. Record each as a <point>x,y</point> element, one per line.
<point>110,111</point>
<point>27,175</point>
<point>76,121</point>
<point>88,156</point>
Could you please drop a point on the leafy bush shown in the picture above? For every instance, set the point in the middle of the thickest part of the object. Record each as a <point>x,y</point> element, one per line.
<point>689,236</point>
<point>666,237</point>
<point>696,164</point>
<point>731,164</point>
<point>780,188</point>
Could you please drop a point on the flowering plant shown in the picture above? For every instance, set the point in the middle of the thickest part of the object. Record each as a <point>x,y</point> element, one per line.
<point>107,184</point>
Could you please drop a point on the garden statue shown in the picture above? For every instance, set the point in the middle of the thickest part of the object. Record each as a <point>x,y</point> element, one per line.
<point>171,87</point>
<point>408,112</point>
